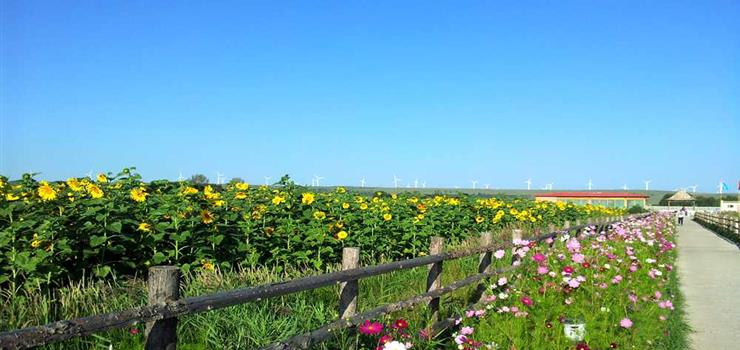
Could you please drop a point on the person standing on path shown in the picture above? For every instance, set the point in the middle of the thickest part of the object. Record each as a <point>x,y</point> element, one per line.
<point>681,214</point>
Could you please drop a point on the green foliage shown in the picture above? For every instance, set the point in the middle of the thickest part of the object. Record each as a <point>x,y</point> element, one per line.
<point>117,225</point>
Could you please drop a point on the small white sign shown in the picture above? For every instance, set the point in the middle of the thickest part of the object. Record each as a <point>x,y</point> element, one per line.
<point>574,331</point>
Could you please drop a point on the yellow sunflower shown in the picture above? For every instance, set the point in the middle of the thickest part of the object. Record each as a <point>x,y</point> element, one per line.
<point>74,184</point>
<point>307,198</point>
<point>342,235</point>
<point>94,191</point>
<point>206,217</point>
<point>138,194</point>
<point>46,192</point>
<point>277,200</point>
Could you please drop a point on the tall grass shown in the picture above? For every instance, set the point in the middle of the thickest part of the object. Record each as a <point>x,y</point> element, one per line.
<point>248,325</point>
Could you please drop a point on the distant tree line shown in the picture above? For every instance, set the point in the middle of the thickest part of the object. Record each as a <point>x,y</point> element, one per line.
<point>701,201</point>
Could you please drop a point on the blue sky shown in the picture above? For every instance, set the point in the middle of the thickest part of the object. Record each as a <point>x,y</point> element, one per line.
<point>444,92</point>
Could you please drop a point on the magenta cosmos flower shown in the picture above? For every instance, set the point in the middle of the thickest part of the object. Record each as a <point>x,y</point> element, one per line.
<point>625,323</point>
<point>371,328</point>
<point>539,257</point>
<point>568,269</point>
<point>527,301</point>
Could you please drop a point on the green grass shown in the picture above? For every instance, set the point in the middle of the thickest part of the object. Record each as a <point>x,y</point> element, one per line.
<point>678,329</point>
<point>243,326</point>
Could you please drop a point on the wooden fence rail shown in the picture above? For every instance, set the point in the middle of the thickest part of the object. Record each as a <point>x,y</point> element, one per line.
<point>164,305</point>
<point>726,224</point>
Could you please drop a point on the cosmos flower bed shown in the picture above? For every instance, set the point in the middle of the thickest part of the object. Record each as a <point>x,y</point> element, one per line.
<point>611,290</point>
<point>616,284</point>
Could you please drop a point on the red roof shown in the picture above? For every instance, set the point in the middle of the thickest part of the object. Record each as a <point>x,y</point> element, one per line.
<point>592,195</point>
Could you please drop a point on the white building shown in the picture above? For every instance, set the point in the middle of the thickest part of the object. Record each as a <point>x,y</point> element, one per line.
<point>729,206</point>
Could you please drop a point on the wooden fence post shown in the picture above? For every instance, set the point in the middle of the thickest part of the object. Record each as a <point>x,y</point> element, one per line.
<point>434,278</point>
<point>164,286</point>
<point>516,235</point>
<point>550,228</point>
<point>349,291</point>
<point>486,238</point>
<point>566,225</point>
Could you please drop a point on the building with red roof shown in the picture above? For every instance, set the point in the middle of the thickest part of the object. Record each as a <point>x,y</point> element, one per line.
<point>606,199</point>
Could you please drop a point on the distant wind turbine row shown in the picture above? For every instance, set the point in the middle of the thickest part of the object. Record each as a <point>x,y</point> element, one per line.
<point>316,182</point>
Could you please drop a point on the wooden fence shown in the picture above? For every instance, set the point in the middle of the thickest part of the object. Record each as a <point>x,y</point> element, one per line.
<point>165,305</point>
<point>725,225</point>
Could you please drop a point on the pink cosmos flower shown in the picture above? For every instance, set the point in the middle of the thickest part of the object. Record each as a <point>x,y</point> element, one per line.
<point>633,268</point>
<point>371,328</point>
<point>499,254</point>
<point>542,270</point>
<point>466,330</point>
<point>658,295</point>
<point>633,297</point>
<point>502,281</point>
<point>573,245</point>
<point>603,285</point>
<point>617,279</point>
<point>625,323</point>
<point>573,283</point>
<point>578,258</point>
<point>527,301</point>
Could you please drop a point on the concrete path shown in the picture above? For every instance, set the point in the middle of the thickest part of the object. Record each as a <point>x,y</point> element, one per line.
<point>709,270</point>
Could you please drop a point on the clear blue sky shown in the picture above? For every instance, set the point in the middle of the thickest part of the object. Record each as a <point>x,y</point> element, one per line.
<point>445,92</point>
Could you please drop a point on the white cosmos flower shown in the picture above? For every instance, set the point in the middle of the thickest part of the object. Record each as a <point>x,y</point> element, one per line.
<point>394,345</point>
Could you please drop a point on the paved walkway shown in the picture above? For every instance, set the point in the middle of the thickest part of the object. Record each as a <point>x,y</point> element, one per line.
<point>709,269</point>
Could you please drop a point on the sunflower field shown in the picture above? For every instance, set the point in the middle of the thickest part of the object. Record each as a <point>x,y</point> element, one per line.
<point>117,224</point>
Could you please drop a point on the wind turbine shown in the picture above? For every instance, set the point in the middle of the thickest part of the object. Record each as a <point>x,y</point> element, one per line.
<point>475,182</point>
<point>180,178</point>
<point>624,187</point>
<point>693,188</point>
<point>267,181</point>
<point>219,178</point>
<point>416,183</point>
<point>318,180</point>
<point>396,180</point>
<point>487,185</point>
<point>529,183</point>
<point>423,184</point>
<point>647,185</point>
<point>362,182</point>
<point>590,184</point>
<point>89,174</point>
<point>549,186</point>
